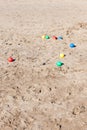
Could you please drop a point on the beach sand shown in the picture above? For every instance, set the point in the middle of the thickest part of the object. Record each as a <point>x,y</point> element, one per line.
<point>35,94</point>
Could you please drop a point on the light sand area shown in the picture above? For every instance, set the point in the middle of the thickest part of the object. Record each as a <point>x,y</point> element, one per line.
<point>34,96</point>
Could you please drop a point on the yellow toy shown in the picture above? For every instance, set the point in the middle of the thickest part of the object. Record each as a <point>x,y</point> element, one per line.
<point>62,55</point>
<point>43,37</point>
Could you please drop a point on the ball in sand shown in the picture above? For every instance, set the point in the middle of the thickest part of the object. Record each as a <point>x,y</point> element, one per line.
<point>59,63</point>
<point>43,37</point>
<point>10,59</point>
<point>72,45</point>
<point>47,37</point>
<point>54,37</point>
<point>62,55</point>
<point>60,38</point>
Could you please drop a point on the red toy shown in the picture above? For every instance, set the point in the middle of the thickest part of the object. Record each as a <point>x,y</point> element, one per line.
<point>54,37</point>
<point>10,59</point>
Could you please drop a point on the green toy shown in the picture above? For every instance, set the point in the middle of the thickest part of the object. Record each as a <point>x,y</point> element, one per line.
<point>47,37</point>
<point>59,63</point>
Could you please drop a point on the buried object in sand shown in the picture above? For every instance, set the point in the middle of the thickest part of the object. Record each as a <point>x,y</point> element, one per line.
<point>10,59</point>
<point>59,63</point>
<point>72,45</point>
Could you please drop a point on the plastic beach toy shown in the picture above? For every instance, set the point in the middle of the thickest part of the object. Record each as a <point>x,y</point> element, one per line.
<point>60,38</point>
<point>10,59</point>
<point>43,37</point>
<point>72,45</point>
<point>54,37</point>
<point>47,37</point>
<point>62,55</point>
<point>59,63</point>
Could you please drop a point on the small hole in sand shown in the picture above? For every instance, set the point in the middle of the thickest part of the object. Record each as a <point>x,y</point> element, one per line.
<point>39,91</point>
<point>39,99</point>
<point>50,89</point>
<point>60,126</point>
<point>70,93</point>
<point>10,44</point>
<point>44,64</point>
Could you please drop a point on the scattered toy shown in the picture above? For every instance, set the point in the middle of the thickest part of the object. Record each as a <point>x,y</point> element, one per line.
<point>47,37</point>
<point>59,63</point>
<point>60,38</point>
<point>10,59</point>
<point>54,37</point>
<point>62,55</point>
<point>43,37</point>
<point>72,45</point>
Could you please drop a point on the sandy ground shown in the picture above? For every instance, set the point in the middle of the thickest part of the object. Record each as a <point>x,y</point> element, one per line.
<point>35,94</point>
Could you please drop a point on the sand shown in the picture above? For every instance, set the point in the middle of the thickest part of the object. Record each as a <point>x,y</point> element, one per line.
<point>35,94</point>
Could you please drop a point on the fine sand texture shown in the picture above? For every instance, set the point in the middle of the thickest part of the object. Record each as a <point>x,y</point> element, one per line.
<point>35,94</point>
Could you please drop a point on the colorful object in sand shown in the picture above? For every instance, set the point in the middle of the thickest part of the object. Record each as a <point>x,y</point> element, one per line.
<point>59,63</point>
<point>10,59</point>
<point>60,38</point>
<point>62,55</point>
<point>54,37</point>
<point>47,37</point>
<point>72,45</point>
<point>43,37</point>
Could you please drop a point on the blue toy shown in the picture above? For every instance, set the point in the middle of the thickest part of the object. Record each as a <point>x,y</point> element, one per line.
<point>72,45</point>
<point>60,38</point>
